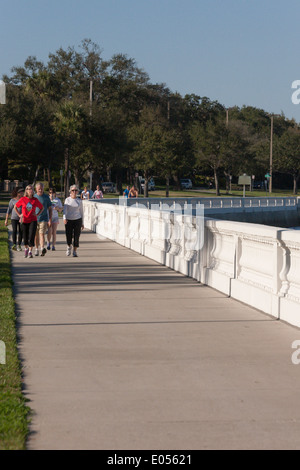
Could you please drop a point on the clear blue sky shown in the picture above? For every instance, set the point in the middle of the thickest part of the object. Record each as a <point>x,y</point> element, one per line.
<point>239,52</point>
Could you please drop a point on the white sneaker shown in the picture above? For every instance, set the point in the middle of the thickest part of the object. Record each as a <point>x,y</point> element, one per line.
<point>36,252</point>
<point>68,252</point>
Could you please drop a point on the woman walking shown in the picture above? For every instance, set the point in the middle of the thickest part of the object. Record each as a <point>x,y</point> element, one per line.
<point>31,208</point>
<point>73,220</point>
<point>15,219</point>
<point>133,192</point>
<point>85,194</point>
<point>56,207</point>
<point>98,194</point>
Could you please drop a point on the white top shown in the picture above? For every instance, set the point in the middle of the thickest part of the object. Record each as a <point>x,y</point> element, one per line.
<point>73,209</point>
<point>56,203</point>
<point>85,195</point>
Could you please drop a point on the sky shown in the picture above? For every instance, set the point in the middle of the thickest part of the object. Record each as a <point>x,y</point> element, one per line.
<point>237,52</point>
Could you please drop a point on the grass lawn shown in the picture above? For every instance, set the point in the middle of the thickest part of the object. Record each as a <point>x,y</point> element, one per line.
<point>14,413</point>
<point>211,193</point>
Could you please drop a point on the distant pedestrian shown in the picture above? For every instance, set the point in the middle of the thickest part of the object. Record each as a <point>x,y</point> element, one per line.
<point>73,220</point>
<point>126,191</point>
<point>31,208</point>
<point>17,234</point>
<point>85,194</point>
<point>133,192</point>
<point>56,207</point>
<point>98,193</point>
<point>44,219</point>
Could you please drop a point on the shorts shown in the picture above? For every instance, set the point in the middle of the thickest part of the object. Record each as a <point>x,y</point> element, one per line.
<point>42,227</point>
<point>55,221</point>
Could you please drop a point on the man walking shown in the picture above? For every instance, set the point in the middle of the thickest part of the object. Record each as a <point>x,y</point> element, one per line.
<point>44,219</point>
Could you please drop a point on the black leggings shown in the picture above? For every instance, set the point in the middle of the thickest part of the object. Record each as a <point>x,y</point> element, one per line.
<point>73,229</point>
<point>29,233</point>
<point>17,231</point>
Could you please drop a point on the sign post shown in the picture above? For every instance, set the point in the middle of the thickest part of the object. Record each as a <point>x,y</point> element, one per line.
<point>267,176</point>
<point>244,180</point>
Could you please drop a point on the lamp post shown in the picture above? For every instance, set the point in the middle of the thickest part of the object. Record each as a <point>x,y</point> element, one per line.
<point>271,153</point>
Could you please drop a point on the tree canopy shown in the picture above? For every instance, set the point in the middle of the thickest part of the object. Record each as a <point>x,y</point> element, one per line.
<point>79,113</point>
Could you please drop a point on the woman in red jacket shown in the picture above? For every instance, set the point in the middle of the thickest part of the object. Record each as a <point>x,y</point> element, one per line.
<point>31,208</point>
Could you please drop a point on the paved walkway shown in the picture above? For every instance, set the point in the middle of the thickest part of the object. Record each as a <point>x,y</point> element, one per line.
<point>120,352</point>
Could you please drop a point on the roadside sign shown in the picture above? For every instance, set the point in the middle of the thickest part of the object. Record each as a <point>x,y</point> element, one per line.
<point>267,175</point>
<point>244,179</point>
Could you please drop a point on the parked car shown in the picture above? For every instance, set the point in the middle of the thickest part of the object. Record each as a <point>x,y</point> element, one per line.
<point>186,183</point>
<point>109,187</point>
<point>258,185</point>
<point>151,184</point>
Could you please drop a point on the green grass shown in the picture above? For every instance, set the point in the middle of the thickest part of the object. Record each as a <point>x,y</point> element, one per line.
<point>211,193</point>
<point>14,412</point>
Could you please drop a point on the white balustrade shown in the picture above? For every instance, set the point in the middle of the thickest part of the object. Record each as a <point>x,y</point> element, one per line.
<point>256,264</point>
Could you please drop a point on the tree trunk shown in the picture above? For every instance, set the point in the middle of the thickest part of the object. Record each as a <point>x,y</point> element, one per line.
<point>295,184</point>
<point>119,181</point>
<point>167,185</point>
<point>66,188</point>
<point>227,176</point>
<point>49,177</point>
<point>77,178</point>
<point>36,174</point>
<point>146,193</point>
<point>216,182</point>
<point>177,182</point>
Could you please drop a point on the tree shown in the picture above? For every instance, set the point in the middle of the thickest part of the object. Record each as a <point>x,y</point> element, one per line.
<point>237,158</point>
<point>146,138</point>
<point>210,144</point>
<point>68,124</point>
<point>286,156</point>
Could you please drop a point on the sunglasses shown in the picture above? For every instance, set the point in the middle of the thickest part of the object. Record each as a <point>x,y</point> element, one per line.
<point>74,190</point>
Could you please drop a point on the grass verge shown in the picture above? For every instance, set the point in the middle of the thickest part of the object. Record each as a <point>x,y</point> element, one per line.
<point>14,413</point>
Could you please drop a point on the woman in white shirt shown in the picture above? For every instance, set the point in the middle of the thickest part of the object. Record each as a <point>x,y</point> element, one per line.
<point>73,220</point>
<point>85,194</point>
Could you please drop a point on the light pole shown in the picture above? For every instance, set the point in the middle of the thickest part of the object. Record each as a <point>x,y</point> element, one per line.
<point>271,153</point>
<point>91,96</point>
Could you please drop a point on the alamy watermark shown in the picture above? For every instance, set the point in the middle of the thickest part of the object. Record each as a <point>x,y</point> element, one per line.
<point>177,221</point>
<point>296,93</point>
<point>2,353</point>
<point>296,354</point>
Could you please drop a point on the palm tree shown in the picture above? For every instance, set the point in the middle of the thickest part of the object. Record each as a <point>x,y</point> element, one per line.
<point>68,124</point>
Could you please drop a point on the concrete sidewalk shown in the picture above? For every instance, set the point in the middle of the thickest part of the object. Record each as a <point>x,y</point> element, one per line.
<point>120,352</point>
